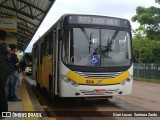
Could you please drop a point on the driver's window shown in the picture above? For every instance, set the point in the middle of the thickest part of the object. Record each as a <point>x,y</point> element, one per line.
<point>66,46</point>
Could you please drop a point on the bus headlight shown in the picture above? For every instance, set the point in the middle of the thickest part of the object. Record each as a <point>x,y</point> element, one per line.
<point>69,81</point>
<point>127,80</point>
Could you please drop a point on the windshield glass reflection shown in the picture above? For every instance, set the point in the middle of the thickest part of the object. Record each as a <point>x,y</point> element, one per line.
<point>96,47</point>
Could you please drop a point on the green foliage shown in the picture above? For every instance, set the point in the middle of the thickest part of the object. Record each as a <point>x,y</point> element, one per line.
<point>142,47</point>
<point>150,19</point>
<point>157,1</point>
<point>146,42</point>
<point>145,50</point>
<point>156,52</point>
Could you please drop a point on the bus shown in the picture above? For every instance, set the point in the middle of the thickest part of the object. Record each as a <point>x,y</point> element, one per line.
<point>85,56</point>
<point>28,57</point>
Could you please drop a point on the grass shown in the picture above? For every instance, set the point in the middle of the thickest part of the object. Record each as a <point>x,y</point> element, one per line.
<point>147,79</point>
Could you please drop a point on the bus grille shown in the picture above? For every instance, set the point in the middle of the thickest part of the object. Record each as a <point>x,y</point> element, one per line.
<point>98,75</point>
<point>106,92</point>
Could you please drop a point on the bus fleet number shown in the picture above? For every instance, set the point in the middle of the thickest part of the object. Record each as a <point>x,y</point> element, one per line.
<point>89,81</point>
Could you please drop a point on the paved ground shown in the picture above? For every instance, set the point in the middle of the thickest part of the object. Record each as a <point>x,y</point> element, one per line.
<point>145,97</point>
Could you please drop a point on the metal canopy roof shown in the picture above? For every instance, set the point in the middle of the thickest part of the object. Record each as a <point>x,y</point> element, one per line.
<point>29,13</point>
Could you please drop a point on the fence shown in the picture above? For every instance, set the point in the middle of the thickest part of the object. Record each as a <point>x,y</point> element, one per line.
<point>147,70</point>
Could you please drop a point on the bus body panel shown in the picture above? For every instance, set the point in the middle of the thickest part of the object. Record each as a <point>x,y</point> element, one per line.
<point>88,91</point>
<point>98,81</point>
<point>47,70</point>
<point>39,74</point>
<point>110,86</point>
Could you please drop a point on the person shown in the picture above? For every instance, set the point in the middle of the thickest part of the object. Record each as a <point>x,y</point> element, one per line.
<point>96,51</point>
<point>22,65</point>
<point>12,80</point>
<point>4,52</point>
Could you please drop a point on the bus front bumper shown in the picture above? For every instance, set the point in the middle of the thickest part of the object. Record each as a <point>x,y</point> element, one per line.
<point>68,90</point>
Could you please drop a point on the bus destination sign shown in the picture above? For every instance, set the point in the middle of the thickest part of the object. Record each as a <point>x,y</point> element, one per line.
<point>94,20</point>
<point>98,20</point>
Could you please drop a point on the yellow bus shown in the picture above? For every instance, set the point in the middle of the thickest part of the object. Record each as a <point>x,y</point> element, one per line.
<point>85,56</point>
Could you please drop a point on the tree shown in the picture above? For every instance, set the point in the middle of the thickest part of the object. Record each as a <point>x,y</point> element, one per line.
<point>157,1</point>
<point>142,46</point>
<point>150,19</point>
<point>156,51</point>
<point>144,49</point>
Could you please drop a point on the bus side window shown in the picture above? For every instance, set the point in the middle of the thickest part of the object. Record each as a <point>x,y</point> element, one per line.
<point>51,42</point>
<point>46,49</point>
<point>42,52</point>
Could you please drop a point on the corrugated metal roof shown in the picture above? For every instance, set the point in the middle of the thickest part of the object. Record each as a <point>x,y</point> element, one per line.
<point>29,13</point>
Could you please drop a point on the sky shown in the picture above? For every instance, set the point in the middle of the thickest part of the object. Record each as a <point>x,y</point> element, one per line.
<point>115,8</point>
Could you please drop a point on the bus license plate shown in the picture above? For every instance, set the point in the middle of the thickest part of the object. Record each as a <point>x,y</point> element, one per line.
<point>99,91</point>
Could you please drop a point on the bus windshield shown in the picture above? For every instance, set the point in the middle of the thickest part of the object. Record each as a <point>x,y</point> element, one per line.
<point>96,47</point>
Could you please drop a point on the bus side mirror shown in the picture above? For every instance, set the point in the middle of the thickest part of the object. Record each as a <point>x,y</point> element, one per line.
<point>59,34</point>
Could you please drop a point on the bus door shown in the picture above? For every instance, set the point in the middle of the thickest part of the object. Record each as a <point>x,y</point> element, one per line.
<point>34,63</point>
<point>56,54</point>
<point>39,69</point>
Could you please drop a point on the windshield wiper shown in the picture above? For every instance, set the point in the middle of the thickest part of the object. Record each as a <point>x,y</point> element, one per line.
<point>87,37</point>
<point>108,47</point>
<point>90,43</point>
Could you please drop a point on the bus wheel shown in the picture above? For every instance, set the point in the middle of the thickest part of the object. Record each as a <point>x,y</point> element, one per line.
<point>38,86</point>
<point>50,82</point>
<point>54,98</point>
